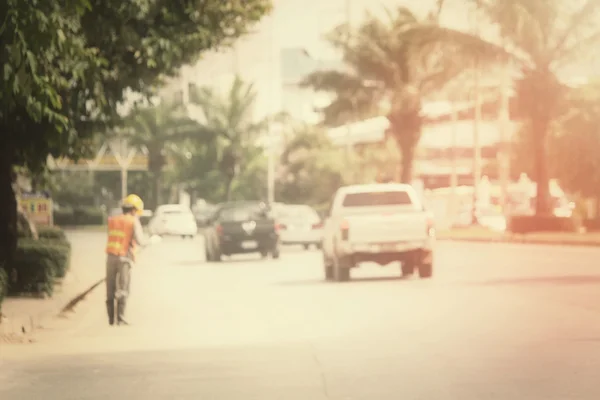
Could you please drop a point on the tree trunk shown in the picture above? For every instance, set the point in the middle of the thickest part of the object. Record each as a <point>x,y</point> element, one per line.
<point>406,164</point>
<point>156,188</point>
<point>228,186</point>
<point>8,206</point>
<point>540,133</point>
<point>406,129</point>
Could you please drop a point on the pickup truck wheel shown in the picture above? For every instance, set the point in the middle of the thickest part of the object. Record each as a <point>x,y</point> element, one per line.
<point>328,270</point>
<point>407,269</point>
<point>425,270</point>
<point>341,270</point>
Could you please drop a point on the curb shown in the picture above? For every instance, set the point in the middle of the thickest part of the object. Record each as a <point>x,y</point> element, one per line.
<point>524,241</point>
<point>20,333</point>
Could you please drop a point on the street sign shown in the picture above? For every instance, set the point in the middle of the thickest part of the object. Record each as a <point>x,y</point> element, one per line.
<point>38,207</point>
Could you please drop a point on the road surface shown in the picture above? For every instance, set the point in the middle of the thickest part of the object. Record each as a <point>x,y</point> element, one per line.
<point>497,321</point>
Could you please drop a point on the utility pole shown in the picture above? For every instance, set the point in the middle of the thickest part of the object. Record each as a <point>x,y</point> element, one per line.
<point>454,162</point>
<point>504,126</point>
<point>351,119</point>
<point>275,108</point>
<point>476,129</point>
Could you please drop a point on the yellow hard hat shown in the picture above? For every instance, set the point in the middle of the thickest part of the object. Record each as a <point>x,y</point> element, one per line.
<point>133,200</point>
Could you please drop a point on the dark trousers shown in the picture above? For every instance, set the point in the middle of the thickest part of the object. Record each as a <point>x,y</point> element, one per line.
<point>118,279</point>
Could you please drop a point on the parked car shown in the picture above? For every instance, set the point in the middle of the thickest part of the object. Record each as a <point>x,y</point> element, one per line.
<point>300,224</point>
<point>173,219</point>
<point>378,223</point>
<point>239,228</point>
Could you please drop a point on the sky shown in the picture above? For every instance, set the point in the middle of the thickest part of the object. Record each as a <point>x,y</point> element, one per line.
<point>300,23</point>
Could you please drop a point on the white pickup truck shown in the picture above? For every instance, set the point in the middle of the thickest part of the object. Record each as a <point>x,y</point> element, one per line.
<point>377,223</point>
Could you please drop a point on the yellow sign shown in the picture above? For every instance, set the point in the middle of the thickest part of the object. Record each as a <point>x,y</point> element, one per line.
<point>38,208</point>
<point>140,161</point>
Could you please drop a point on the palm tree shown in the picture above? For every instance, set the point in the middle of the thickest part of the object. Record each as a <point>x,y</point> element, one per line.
<point>159,129</point>
<point>384,66</point>
<point>230,120</point>
<point>539,38</point>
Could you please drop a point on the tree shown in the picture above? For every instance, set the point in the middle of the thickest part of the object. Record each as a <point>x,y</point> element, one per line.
<point>310,169</point>
<point>230,120</point>
<point>199,169</point>
<point>538,37</point>
<point>159,129</point>
<point>573,145</point>
<point>66,65</point>
<point>385,66</point>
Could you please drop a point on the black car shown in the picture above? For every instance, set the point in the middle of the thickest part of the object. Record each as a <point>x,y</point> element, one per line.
<point>239,228</point>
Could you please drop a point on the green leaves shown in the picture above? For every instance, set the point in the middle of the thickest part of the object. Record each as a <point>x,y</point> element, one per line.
<point>66,64</point>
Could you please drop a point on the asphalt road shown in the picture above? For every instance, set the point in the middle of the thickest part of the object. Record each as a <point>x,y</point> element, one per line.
<point>497,321</point>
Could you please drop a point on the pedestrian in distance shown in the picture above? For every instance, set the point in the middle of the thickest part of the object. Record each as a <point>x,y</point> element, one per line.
<point>125,236</point>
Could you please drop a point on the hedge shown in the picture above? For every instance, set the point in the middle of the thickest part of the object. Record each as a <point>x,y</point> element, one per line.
<point>533,223</point>
<point>55,236</point>
<point>79,216</point>
<point>36,265</point>
<point>592,225</point>
<point>51,232</point>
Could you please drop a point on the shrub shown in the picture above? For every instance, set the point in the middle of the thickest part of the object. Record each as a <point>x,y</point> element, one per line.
<point>533,223</point>
<point>51,232</point>
<point>592,224</point>
<point>37,263</point>
<point>3,285</point>
<point>79,216</point>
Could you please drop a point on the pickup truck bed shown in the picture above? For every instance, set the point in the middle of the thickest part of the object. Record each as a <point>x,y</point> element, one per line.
<point>387,224</point>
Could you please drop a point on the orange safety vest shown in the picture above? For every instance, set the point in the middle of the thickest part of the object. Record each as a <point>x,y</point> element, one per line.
<point>120,236</point>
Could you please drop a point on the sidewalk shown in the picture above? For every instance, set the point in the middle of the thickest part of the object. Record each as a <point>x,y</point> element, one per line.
<point>87,268</point>
<point>478,234</point>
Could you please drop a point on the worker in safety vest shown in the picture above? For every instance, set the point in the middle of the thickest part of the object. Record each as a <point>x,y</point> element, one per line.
<point>125,234</point>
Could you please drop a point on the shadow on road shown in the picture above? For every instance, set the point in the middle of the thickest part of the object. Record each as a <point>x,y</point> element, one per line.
<point>545,280</point>
<point>361,279</point>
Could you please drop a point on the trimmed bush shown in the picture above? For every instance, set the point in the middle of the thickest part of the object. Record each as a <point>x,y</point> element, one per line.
<point>51,232</point>
<point>3,285</point>
<point>37,264</point>
<point>79,216</point>
<point>550,223</point>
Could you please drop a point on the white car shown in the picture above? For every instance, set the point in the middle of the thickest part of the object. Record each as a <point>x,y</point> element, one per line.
<point>378,223</point>
<point>299,224</point>
<point>173,219</point>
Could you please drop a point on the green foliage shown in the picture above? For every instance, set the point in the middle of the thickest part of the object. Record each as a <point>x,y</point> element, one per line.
<point>36,265</point>
<point>67,63</point>
<point>52,233</point>
<point>72,189</point>
<point>538,38</point>
<point>159,129</point>
<point>79,216</point>
<point>230,131</point>
<point>573,144</point>
<point>310,169</point>
<point>388,64</point>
